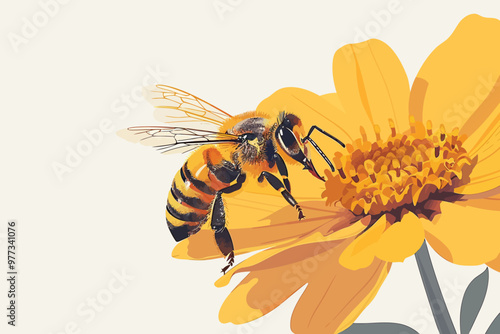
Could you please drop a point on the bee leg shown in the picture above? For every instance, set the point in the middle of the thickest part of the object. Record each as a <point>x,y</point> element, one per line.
<point>278,185</point>
<point>230,262</point>
<point>222,236</point>
<point>237,186</point>
<point>283,171</point>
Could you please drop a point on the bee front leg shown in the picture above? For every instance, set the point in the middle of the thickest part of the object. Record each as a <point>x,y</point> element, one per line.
<point>279,186</point>
<point>222,236</point>
<point>283,171</point>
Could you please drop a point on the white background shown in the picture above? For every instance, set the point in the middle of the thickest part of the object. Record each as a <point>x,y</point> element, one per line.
<point>106,215</point>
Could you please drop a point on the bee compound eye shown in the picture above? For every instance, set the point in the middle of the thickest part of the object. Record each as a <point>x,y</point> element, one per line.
<point>287,141</point>
<point>287,137</point>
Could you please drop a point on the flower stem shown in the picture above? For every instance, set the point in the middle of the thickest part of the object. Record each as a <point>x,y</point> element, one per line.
<point>433,291</point>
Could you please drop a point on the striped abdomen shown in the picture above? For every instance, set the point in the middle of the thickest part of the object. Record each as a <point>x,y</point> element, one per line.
<point>194,188</point>
<point>188,202</point>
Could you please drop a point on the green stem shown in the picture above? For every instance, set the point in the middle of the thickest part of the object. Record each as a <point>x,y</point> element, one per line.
<point>433,291</point>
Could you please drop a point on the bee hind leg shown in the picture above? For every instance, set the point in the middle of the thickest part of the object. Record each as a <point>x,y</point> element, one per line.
<point>221,233</point>
<point>230,262</point>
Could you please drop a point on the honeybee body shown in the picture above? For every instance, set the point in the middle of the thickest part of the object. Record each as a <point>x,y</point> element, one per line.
<point>253,143</point>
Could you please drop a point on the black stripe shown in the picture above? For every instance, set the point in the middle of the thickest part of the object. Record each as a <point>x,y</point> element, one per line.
<point>181,232</point>
<point>173,194</point>
<point>186,217</point>
<point>194,202</point>
<point>200,185</point>
<point>183,177</point>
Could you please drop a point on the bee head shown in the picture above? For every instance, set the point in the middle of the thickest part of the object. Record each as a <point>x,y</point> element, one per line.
<point>289,135</point>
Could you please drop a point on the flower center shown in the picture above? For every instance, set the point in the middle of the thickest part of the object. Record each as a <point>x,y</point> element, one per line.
<point>403,171</point>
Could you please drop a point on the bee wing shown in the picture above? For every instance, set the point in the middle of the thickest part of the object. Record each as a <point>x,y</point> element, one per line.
<point>177,106</point>
<point>174,139</point>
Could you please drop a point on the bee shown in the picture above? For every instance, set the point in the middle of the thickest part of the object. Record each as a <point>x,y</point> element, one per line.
<point>225,150</point>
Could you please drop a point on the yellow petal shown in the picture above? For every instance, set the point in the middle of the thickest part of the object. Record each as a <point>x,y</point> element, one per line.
<point>485,134</point>
<point>345,118</point>
<point>266,287</point>
<point>361,252</point>
<point>335,295</point>
<point>401,240</point>
<point>261,291</point>
<point>484,144</point>
<point>274,275</point>
<point>235,309</point>
<point>348,321</point>
<point>479,185</point>
<point>257,221</point>
<point>456,84</point>
<point>488,203</point>
<point>370,79</point>
<point>464,234</point>
<point>294,250</point>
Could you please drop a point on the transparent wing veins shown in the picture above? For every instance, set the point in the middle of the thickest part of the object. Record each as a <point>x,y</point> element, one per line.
<point>176,106</point>
<point>175,139</point>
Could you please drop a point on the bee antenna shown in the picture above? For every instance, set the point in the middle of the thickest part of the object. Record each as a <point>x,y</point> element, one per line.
<point>281,116</point>
<point>318,149</point>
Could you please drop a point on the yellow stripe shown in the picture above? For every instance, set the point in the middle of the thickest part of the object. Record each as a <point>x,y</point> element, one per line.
<point>174,221</point>
<point>185,189</point>
<point>183,208</point>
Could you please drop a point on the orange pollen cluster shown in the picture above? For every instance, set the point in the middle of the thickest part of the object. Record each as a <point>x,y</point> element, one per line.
<point>404,170</point>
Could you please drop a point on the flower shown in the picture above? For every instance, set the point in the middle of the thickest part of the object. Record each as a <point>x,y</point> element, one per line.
<point>419,164</point>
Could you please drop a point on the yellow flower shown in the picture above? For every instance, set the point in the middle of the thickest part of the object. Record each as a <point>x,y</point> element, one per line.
<point>418,164</point>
